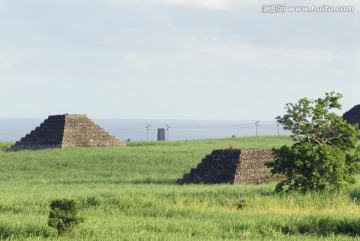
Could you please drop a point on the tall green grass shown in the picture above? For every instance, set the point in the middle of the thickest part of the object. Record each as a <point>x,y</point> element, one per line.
<point>5,145</point>
<point>130,194</point>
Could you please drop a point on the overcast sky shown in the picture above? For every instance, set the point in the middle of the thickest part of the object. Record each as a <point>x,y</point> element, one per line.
<point>173,59</point>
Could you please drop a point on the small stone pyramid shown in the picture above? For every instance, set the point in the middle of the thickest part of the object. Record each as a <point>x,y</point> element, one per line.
<point>67,130</point>
<point>353,115</point>
<point>233,166</point>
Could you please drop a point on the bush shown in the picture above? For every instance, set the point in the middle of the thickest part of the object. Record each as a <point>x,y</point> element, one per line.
<point>311,167</point>
<point>63,215</point>
<point>5,145</point>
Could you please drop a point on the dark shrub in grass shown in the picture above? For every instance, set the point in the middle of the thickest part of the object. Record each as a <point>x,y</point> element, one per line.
<point>63,215</point>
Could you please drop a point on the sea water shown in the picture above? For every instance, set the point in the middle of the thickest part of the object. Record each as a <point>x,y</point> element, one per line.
<point>12,129</point>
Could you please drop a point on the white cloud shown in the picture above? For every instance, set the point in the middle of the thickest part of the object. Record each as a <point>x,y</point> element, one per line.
<point>228,4</point>
<point>211,4</point>
<point>209,52</point>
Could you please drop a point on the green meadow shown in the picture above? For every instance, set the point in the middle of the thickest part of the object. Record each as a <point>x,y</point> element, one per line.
<point>130,193</point>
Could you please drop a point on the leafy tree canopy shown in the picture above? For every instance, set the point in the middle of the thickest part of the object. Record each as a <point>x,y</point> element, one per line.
<point>324,153</point>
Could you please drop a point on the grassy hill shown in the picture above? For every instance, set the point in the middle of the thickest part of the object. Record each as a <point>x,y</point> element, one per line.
<point>130,194</point>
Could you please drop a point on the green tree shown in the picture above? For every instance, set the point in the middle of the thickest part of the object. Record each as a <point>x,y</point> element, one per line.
<point>324,154</point>
<point>63,215</point>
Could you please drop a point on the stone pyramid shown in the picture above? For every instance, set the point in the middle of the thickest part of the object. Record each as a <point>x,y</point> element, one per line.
<point>233,166</point>
<point>353,115</point>
<point>59,131</point>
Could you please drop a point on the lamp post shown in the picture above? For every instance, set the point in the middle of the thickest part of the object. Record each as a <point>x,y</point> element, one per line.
<point>256,126</point>
<point>147,132</point>
<point>167,130</point>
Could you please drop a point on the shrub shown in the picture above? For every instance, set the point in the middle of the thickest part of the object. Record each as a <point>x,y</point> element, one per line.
<point>5,145</point>
<point>63,215</point>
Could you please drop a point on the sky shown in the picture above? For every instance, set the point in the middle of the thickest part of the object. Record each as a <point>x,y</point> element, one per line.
<point>173,59</point>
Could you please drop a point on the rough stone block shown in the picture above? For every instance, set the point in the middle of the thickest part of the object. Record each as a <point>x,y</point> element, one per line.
<point>234,166</point>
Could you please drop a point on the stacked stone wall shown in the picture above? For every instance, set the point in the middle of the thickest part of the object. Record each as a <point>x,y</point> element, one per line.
<point>81,131</point>
<point>48,135</point>
<point>353,115</point>
<point>218,167</point>
<point>252,167</point>
<point>233,166</point>
<point>66,131</point>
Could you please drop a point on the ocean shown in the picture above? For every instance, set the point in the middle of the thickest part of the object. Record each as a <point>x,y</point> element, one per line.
<point>13,129</point>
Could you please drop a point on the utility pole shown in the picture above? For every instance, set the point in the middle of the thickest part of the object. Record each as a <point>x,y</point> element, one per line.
<point>278,125</point>
<point>256,126</point>
<point>147,132</point>
<point>167,130</point>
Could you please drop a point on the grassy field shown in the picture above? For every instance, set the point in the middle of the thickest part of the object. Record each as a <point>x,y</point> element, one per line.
<point>130,194</point>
